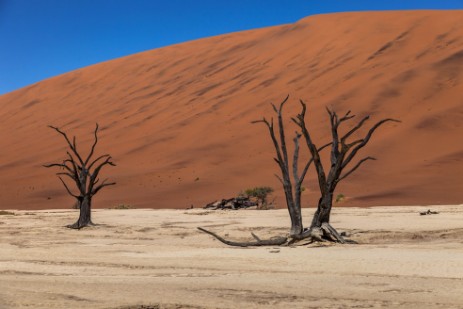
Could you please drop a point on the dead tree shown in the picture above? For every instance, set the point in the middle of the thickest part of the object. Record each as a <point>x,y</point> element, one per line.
<point>342,154</point>
<point>291,179</point>
<point>292,188</point>
<point>84,174</point>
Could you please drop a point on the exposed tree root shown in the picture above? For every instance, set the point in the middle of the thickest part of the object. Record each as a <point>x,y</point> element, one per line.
<point>330,233</point>
<point>326,233</point>
<point>78,226</point>
<point>74,226</point>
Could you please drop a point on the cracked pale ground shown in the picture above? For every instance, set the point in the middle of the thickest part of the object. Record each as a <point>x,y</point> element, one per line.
<point>158,259</point>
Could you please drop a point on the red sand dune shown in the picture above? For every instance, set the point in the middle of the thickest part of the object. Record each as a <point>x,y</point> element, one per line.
<point>177,119</point>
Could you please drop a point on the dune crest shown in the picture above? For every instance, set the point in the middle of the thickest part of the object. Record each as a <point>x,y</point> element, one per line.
<point>177,119</point>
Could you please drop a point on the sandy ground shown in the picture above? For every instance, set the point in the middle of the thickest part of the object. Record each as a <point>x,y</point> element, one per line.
<point>157,258</point>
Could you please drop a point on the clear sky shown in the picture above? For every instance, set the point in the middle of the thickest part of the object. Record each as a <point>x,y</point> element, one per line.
<point>44,38</point>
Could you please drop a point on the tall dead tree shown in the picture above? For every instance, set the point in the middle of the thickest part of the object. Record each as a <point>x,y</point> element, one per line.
<point>291,179</point>
<point>84,173</point>
<point>292,187</point>
<point>342,154</point>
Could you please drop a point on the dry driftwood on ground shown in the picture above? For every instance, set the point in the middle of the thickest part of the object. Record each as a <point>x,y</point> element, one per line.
<point>428,212</point>
<point>232,203</point>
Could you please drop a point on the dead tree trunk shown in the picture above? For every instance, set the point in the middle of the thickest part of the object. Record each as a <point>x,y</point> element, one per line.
<point>342,154</point>
<point>292,188</point>
<point>84,174</point>
<point>85,215</point>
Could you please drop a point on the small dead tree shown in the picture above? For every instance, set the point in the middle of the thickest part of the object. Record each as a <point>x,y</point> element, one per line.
<point>342,153</point>
<point>84,173</point>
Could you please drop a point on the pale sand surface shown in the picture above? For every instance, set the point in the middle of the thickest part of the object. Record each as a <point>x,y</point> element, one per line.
<point>158,258</point>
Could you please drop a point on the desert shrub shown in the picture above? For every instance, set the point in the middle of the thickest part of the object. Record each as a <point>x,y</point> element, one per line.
<point>260,193</point>
<point>340,197</point>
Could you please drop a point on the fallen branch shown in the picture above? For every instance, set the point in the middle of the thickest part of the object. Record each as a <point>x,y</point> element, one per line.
<point>428,212</point>
<point>323,234</point>
<point>277,241</point>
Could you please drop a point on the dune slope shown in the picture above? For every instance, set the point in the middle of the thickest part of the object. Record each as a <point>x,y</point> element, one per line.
<point>177,119</point>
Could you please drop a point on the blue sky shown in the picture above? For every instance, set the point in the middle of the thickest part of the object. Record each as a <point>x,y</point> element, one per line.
<point>44,38</point>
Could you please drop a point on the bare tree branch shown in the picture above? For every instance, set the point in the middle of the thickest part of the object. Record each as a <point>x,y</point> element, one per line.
<point>346,117</point>
<point>54,164</point>
<point>93,146</point>
<point>282,133</point>
<point>95,173</point>
<point>102,185</point>
<point>365,140</point>
<point>279,178</point>
<point>67,174</point>
<point>334,133</point>
<point>296,157</point>
<point>306,168</point>
<point>312,147</point>
<point>355,167</point>
<point>263,120</point>
<point>358,126</point>
<point>97,159</point>
<point>72,146</point>
<point>67,189</point>
<point>280,161</point>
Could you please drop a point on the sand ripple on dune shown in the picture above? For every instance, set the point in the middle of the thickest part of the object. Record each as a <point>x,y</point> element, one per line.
<point>177,119</point>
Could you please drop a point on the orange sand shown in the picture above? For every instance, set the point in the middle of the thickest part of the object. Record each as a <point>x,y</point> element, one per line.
<point>177,119</point>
